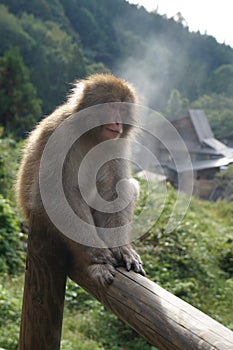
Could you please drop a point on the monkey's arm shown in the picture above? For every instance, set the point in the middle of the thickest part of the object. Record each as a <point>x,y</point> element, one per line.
<point>119,222</point>
<point>124,253</point>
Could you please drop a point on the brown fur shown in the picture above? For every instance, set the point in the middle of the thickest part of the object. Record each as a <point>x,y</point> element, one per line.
<point>96,89</point>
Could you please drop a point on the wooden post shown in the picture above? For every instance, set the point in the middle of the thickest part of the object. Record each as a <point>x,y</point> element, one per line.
<point>163,319</point>
<point>44,291</point>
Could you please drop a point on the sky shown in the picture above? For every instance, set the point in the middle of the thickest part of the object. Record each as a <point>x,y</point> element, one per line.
<point>209,17</point>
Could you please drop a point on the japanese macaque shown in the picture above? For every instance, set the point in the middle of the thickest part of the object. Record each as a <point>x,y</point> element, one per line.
<point>98,263</point>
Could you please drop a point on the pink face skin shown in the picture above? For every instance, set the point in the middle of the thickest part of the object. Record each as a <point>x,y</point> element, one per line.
<point>114,129</point>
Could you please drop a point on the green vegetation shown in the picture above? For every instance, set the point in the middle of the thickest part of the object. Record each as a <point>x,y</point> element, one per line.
<point>19,106</point>
<point>11,245</point>
<point>53,57</point>
<point>11,250</point>
<point>64,40</point>
<point>9,157</point>
<point>10,311</point>
<point>219,111</point>
<point>47,44</point>
<point>177,106</point>
<point>194,262</point>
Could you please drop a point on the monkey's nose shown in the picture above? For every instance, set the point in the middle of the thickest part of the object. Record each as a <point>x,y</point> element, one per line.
<point>115,126</point>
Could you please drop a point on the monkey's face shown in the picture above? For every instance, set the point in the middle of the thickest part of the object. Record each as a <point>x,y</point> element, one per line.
<point>116,115</point>
<point>116,119</point>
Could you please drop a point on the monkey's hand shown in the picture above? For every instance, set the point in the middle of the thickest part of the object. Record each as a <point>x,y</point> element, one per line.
<point>127,257</point>
<point>102,273</point>
<point>102,265</point>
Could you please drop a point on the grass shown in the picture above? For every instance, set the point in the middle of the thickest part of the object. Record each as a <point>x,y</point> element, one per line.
<point>195,262</point>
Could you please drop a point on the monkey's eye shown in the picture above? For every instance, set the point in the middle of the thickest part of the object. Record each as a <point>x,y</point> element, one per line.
<point>113,106</point>
<point>124,109</point>
<point>118,106</point>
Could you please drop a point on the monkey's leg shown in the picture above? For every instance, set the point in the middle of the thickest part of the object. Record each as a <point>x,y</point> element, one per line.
<point>95,259</point>
<point>124,254</point>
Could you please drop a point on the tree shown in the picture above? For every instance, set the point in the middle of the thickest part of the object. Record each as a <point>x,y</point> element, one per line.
<point>11,254</point>
<point>10,151</point>
<point>55,60</point>
<point>20,108</point>
<point>12,32</point>
<point>219,111</point>
<point>221,81</point>
<point>177,106</point>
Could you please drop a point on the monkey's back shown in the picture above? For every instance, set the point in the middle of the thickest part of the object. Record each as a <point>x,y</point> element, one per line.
<point>27,182</point>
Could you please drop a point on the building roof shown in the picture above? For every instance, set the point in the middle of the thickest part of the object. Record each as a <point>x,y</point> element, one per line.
<point>205,134</point>
<point>203,164</point>
<point>207,144</point>
<point>219,147</point>
<point>201,124</point>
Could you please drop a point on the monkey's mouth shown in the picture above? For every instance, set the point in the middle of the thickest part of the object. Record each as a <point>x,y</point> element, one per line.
<point>116,132</point>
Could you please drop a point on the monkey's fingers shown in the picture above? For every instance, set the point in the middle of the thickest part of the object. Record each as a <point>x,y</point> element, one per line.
<point>128,257</point>
<point>140,270</point>
<point>136,266</point>
<point>102,273</point>
<point>133,262</point>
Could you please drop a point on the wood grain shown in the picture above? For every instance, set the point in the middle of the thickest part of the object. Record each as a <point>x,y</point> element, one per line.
<point>44,292</point>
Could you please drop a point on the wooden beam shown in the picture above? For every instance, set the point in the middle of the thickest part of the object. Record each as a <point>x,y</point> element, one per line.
<point>160,317</point>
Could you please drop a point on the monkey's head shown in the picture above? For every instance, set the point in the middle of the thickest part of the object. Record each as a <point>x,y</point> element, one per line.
<point>99,89</point>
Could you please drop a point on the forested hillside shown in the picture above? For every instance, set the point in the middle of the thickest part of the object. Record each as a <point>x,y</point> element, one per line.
<point>62,40</point>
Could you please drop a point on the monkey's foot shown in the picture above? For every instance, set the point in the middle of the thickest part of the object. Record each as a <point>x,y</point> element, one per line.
<point>127,257</point>
<point>102,273</point>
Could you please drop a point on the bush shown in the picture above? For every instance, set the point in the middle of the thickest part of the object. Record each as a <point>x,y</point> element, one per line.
<point>9,153</point>
<point>11,249</point>
<point>10,310</point>
<point>226,257</point>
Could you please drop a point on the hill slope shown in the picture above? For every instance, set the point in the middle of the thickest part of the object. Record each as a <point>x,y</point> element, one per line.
<point>69,36</point>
